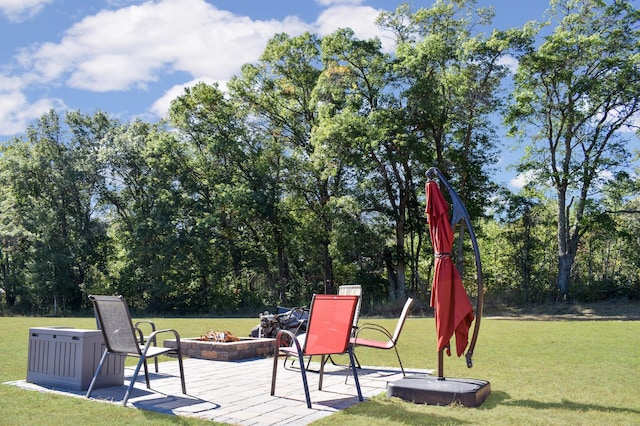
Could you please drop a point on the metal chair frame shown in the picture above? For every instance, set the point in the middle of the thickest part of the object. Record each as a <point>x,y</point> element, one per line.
<point>392,339</point>
<point>121,337</point>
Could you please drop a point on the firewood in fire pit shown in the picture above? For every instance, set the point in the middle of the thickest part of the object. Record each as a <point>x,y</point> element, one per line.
<point>223,336</point>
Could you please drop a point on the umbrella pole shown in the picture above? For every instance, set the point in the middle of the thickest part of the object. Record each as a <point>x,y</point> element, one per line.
<point>440,364</point>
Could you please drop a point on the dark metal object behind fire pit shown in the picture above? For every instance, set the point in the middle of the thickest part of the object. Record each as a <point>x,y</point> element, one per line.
<point>292,319</point>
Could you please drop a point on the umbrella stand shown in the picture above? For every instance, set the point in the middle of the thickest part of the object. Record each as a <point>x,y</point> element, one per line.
<point>427,389</point>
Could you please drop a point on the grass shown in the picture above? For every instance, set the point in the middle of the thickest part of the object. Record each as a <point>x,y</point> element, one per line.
<point>541,372</point>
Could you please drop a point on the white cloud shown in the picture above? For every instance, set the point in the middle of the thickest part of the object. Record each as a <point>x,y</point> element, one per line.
<point>521,180</point>
<point>161,106</point>
<point>334,2</point>
<point>142,42</point>
<point>16,112</point>
<point>21,10</point>
<point>136,45</point>
<point>359,18</point>
<point>510,62</point>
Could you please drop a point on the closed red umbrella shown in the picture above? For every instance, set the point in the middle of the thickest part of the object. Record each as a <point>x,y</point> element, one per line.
<point>453,310</point>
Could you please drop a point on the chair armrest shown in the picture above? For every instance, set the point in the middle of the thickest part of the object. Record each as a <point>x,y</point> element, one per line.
<point>152,337</point>
<point>137,327</point>
<point>151,323</point>
<point>293,338</point>
<point>140,335</point>
<point>374,327</point>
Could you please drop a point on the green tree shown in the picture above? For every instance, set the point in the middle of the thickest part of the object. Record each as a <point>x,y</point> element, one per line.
<point>15,240</point>
<point>144,202</point>
<point>574,94</point>
<point>517,244</point>
<point>50,184</point>
<point>226,178</point>
<point>450,74</point>
<point>606,264</point>
<point>363,123</point>
<point>280,91</point>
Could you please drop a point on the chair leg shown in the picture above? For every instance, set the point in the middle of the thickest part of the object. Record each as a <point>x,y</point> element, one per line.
<point>146,373</point>
<point>346,376</point>
<point>355,373</point>
<point>141,361</point>
<point>304,381</point>
<point>400,362</point>
<point>356,365</point>
<point>155,343</point>
<point>284,363</point>
<point>323,360</point>
<point>184,387</point>
<point>357,360</point>
<point>274,371</point>
<point>302,371</point>
<point>97,373</point>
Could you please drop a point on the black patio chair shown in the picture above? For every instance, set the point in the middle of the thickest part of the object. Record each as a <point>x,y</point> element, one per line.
<point>121,337</point>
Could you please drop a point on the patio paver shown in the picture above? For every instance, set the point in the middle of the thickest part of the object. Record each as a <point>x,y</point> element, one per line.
<point>238,392</point>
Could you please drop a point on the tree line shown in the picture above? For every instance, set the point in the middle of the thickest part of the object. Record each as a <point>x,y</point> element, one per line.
<point>307,172</point>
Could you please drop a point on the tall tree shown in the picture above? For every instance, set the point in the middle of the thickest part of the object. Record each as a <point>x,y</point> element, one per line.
<point>15,239</point>
<point>53,186</point>
<point>144,201</point>
<point>279,92</point>
<point>451,74</point>
<point>574,95</point>
<point>364,123</point>
<point>226,178</point>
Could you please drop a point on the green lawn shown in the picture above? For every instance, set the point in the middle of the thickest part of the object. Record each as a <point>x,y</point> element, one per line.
<point>541,373</point>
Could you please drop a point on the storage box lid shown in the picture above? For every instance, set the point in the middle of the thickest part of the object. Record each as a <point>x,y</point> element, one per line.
<point>63,331</point>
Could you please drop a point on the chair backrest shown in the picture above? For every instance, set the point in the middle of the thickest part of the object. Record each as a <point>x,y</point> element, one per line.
<point>352,290</point>
<point>403,316</point>
<point>330,324</point>
<point>112,313</point>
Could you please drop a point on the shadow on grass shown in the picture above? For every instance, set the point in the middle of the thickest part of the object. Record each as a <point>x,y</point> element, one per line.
<point>379,410</point>
<point>502,398</point>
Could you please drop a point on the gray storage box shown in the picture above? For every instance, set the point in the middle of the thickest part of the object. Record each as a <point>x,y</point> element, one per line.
<point>68,357</point>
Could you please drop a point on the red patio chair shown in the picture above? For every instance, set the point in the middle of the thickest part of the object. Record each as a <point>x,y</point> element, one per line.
<point>351,290</point>
<point>328,332</point>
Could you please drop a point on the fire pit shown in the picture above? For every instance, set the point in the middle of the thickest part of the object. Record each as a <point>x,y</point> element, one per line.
<point>244,348</point>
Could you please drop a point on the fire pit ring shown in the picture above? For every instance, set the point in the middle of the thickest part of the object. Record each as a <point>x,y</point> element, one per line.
<point>245,348</point>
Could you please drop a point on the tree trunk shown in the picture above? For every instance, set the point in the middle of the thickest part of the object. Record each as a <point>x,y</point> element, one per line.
<point>391,273</point>
<point>565,260</point>
<point>282,275</point>
<point>525,268</point>
<point>9,287</point>
<point>564,273</point>
<point>401,265</point>
<point>329,286</point>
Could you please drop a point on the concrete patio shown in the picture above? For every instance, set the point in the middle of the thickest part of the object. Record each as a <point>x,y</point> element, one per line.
<point>238,392</point>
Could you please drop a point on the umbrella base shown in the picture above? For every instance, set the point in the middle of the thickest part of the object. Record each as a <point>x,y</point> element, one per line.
<point>424,389</point>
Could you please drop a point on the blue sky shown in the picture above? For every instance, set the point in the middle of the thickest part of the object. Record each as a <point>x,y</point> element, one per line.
<point>130,58</point>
